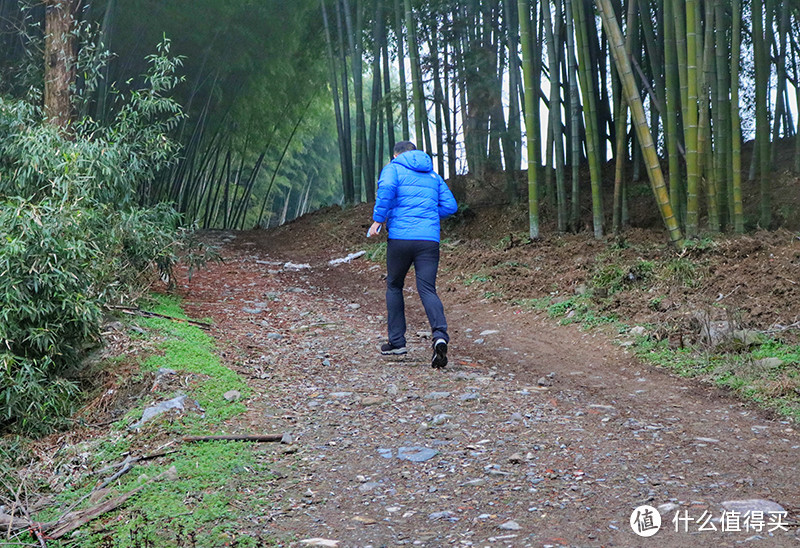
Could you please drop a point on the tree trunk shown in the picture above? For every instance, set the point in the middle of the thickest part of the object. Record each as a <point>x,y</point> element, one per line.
<point>59,57</point>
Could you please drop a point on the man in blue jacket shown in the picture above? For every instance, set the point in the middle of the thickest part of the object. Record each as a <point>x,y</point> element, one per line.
<point>411,200</point>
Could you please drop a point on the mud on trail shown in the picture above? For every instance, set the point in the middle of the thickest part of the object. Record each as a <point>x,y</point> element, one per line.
<point>540,435</point>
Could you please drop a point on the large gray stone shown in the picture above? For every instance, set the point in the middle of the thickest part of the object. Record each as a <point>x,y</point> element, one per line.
<point>416,454</point>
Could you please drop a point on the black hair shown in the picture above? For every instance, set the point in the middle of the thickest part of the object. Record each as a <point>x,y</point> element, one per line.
<point>403,146</point>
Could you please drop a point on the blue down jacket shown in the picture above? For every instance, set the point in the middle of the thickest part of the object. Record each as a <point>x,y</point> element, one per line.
<point>412,198</point>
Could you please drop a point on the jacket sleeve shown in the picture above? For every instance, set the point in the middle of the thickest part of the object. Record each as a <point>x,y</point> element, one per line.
<point>447,202</point>
<point>387,194</point>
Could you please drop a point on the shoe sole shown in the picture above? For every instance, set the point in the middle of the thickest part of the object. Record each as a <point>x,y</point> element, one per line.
<point>439,356</point>
<point>394,352</point>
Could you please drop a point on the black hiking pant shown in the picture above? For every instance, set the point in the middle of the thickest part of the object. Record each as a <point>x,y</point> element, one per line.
<point>424,255</point>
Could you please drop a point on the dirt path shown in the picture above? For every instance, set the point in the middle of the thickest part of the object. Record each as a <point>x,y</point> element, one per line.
<point>516,463</point>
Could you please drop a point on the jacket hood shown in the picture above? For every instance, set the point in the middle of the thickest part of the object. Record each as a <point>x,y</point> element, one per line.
<point>415,160</point>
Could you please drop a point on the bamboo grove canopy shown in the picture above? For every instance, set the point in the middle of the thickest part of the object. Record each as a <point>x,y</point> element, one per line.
<point>672,87</point>
<point>293,105</point>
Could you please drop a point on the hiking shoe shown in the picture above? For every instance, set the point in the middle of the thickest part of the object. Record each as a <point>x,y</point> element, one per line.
<point>389,349</point>
<point>439,359</point>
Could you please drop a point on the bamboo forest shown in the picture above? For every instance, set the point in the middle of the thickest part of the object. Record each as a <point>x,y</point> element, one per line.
<point>211,210</point>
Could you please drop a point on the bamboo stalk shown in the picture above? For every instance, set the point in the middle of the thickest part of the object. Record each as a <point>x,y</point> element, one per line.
<point>589,115</point>
<point>736,131</point>
<point>530,95</point>
<point>617,47</point>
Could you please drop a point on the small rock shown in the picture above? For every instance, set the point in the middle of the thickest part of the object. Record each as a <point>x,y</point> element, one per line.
<point>274,336</point>
<point>447,514</point>
<point>385,452</point>
<point>638,330</point>
<point>469,396</point>
<point>320,542</point>
<point>475,482</point>
<point>391,390</point>
<point>416,454</point>
<point>516,417</point>
<point>251,310</point>
<point>752,505</point>
<point>747,337</point>
<point>171,474</point>
<point>354,306</point>
<point>544,381</point>
<point>707,440</point>
<point>232,395</point>
<point>440,419</point>
<point>768,362</point>
<point>424,334</point>
<point>581,289</point>
<point>287,438</point>
<point>368,486</point>
<point>516,458</point>
<point>371,400</point>
<point>667,508</point>
<point>478,341</point>
<point>437,395</point>
<point>464,376</point>
<point>510,526</point>
<point>151,412</point>
<point>489,332</point>
<point>339,395</point>
<point>326,362</point>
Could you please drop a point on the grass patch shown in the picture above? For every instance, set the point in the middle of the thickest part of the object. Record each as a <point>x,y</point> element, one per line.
<point>216,484</point>
<point>768,375</point>
<point>376,252</point>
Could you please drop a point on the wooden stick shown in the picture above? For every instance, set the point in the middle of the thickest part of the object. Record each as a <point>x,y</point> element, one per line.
<point>267,437</point>
<point>134,311</point>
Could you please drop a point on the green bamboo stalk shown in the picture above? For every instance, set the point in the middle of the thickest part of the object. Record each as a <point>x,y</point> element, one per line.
<point>679,14</point>
<point>620,126</point>
<point>762,71</point>
<point>589,115</point>
<point>705,166</point>
<point>736,129</point>
<point>797,97</point>
<point>554,109</point>
<point>416,84</point>
<point>617,47</point>
<point>720,113</point>
<point>691,129</point>
<point>401,69</point>
<point>672,92</point>
<point>574,116</point>
<point>523,8</point>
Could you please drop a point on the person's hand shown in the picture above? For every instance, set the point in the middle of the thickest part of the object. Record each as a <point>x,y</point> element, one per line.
<point>374,229</point>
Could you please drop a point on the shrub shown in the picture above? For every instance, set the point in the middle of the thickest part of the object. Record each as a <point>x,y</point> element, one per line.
<point>74,239</point>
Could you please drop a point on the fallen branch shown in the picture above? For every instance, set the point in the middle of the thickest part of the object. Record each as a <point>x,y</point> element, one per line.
<point>135,311</point>
<point>267,437</point>
<point>69,522</point>
<point>129,460</point>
